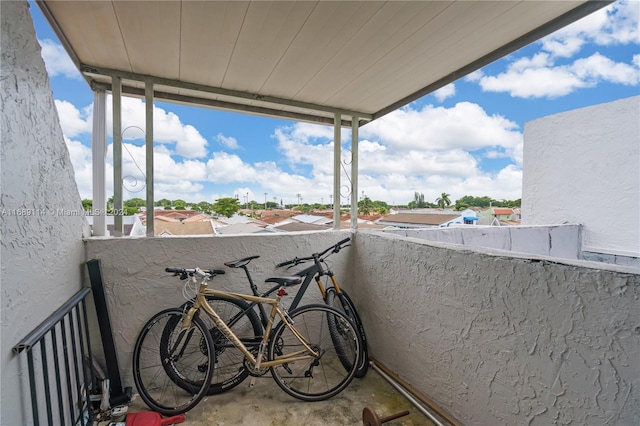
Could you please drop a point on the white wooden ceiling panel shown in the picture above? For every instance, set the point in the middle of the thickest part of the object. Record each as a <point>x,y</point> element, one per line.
<point>88,25</point>
<point>267,31</point>
<point>151,35</point>
<point>326,31</point>
<point>208,39</point>
<point>310,58</point>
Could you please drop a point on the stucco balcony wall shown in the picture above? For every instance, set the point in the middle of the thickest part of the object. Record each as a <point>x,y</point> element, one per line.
<point>492,336</point>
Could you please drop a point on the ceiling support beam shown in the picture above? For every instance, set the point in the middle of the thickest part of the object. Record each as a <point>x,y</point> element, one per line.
<point>336,170</point>
<point>87,70</point>
<point>99,159</point>
<point>227,106</point>
<point>354,173</point>
<point>148,99</point>
<point>116,99</point>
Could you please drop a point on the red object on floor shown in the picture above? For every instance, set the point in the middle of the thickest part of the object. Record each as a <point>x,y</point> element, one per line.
<point>151,418</point>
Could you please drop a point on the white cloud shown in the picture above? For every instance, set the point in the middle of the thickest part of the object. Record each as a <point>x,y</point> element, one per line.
<point>225,168</point>
<point>57,61</point>
<point>227,141</point>
<point>168,128</point>
<point>533,78</point>
<point>73,121</point>
<point>445,92</point>
<point>81,159</point>
<point>615,24</point>
<point>426,150</point>
<point>544,76</point>
<point>465,126</point>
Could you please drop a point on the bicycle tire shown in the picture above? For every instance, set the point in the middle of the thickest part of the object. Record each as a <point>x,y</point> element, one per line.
<point>229,370</point>
<point>163,352</point>
<point>345,304</point>
<point>297,378</point>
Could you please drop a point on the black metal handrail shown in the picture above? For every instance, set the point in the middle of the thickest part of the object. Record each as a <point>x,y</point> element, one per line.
<point>73,402</point>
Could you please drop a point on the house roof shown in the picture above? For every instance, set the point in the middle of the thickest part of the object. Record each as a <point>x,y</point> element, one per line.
<point>419,218</point>
<point>183,228</point>
<point>304,60</point>
<point>502,211</point>
<point>241,228</point>
<point>300,226</point>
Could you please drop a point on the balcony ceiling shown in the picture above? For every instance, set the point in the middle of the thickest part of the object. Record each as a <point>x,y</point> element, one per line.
<point>304,60</point>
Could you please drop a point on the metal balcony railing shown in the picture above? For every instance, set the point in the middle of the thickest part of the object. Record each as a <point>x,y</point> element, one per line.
<point>59,361</point>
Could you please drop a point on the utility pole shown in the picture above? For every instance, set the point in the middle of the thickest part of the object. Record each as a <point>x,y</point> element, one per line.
<point>265,200</point>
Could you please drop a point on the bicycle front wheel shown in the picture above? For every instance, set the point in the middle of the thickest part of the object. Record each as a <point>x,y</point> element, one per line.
<point>240,317</point>
<point>321,374</point>
<point>343,303</point>
<point>172,368</point>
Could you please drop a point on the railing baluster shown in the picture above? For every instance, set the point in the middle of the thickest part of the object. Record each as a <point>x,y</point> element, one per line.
<point>32,386</point>
<point>56,365</point>
<point>65,346</point>
<point>45,378</point>
<point>88,370</point>
<point>76,365</point>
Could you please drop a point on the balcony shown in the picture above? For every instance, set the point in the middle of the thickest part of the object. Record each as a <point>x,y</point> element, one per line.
<point>489,335</point>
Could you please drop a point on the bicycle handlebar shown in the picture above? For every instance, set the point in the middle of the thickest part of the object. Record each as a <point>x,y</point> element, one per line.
<point>184,272</point>
<point>334,249</point>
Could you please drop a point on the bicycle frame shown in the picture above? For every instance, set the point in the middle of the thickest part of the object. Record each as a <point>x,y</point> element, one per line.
<point>201,303</point>
<point>314,271</point>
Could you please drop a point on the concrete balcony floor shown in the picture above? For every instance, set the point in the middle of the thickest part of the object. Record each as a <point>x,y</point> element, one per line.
<point>266,404</point>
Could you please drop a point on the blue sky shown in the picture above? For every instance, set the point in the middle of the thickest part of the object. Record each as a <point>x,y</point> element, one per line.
<point>465,139</point>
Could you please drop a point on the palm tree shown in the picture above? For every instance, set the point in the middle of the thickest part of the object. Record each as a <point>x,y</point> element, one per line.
<point>443,201</point>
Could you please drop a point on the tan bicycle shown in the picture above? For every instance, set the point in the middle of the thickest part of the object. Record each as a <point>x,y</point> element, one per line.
<point>175,355</point>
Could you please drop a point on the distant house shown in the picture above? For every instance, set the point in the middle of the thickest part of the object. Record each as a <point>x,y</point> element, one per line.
<point>500,216</point>
<point>166,229</point>
<point>426,220</point>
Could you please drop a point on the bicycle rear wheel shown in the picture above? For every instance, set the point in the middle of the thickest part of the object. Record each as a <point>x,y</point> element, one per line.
<point>164,354</point>
<point>323,375</point>
<point>343,303</point>
<point>229,370</point>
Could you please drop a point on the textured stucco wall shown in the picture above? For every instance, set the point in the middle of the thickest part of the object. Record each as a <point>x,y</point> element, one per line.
<point>583,166</point>
<point>497,339</point>
<point>557,241</point>
<point>42,252</point>
<point>137,286</point>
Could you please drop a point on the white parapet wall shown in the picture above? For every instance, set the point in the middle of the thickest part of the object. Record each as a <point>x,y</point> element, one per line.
<point>494,337</point>
<point>583,166</point>
<point>556,241</point>
<point>498,338</point>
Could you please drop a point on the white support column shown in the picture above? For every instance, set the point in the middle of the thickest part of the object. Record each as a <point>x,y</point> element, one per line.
<point>354,172</point>
<point>116,99</point>
<point>337,121</point>
<point>98,158</point>
<point>148,94</point>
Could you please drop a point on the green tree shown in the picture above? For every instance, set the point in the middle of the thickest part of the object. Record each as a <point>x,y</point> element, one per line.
<point>128,211</point>
<point>163,203</point>
<point>227,206</point>
<point>179,204</point>
<point>443,201</point>
<point>203,207</point>
<point>134,202</point>
<point>380,207</point>
<point>364,206</point>
<point>418,201</point>
<point>87,204</point>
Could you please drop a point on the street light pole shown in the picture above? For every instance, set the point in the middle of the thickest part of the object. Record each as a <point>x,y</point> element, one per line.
<point>265,200</point>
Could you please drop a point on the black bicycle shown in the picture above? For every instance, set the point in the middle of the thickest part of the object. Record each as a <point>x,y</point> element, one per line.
<point>249,323</point>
